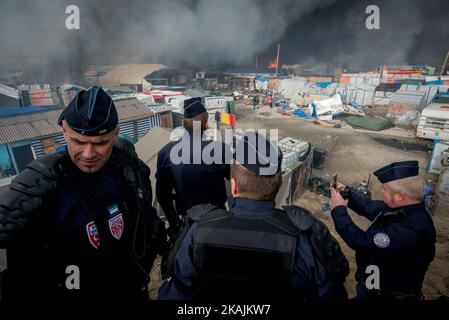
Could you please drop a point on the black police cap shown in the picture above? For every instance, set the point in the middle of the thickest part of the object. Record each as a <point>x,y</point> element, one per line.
<point>193,107</point>
<point>258,154</point>
<point>397,170</point>
<point>92,113</point>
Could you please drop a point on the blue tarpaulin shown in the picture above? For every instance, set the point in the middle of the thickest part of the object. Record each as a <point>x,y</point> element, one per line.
<point>323,84</point>
<point>314,110</point>
<point>301,114</point>
<point>435,82</point>
<point>282,104</point>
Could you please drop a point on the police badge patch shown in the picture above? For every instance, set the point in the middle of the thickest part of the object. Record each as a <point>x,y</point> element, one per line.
<point>381,240</point>
<point>116,226</point>
<point>92,234</point>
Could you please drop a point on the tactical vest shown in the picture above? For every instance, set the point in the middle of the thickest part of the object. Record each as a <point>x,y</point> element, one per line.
<point>237,257</point>
<point>402,271</point>
<point>254,263</point>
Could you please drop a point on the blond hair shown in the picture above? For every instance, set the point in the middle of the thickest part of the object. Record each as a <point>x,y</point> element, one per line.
<point>413,187</point>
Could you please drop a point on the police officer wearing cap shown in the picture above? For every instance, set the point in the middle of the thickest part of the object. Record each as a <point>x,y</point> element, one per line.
<point>193,180</point>
<point>255,251</point>
<point>79,224</point>
<point>401,239</point>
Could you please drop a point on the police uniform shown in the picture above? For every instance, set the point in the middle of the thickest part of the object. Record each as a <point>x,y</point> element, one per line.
<point>54,216</point>
<point>194,182</point>
<point>255,251</point>
<point>400,241</point>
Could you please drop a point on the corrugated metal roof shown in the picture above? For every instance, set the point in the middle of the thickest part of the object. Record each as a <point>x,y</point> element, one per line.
<point>43,123</point>
<point>131,109</point>
<point>19,110</point>
<point>410,97</point>
<point>129,74</point>
<point>30,125</point>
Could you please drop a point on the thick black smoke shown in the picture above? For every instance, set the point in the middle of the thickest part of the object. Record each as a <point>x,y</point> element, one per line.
<point>208,33</point>
<point>411,32</point>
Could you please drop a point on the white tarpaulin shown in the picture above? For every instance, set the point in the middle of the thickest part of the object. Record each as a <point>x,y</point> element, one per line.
<point>439,152</point>
<point>327,108</point>
<point>287,87</point>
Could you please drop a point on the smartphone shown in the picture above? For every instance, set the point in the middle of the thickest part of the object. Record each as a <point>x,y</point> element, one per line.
<point>334,181</point>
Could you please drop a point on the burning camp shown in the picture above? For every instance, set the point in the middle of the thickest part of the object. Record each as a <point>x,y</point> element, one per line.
<point>216,151</point>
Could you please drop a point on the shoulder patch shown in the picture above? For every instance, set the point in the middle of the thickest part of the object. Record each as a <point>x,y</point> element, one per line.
<point>381,240</point>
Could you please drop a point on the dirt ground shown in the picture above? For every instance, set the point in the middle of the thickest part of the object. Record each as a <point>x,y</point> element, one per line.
<point>353,154</point>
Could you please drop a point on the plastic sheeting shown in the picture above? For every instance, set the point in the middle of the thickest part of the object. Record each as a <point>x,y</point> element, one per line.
<point>410,118</point>
<point>287,87</point>
<point>262,83</point>
<point>369,123</point>
<point>324,84</point>
<point>326,109</point>
<point>301,114</point>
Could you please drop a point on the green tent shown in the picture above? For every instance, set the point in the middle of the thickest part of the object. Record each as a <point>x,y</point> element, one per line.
<point>369,123</point>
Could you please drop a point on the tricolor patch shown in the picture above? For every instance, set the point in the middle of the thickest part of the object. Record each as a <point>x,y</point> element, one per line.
<point>113,210</point>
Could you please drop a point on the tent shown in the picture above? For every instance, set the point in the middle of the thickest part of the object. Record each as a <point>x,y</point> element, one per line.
<point>147,149</point>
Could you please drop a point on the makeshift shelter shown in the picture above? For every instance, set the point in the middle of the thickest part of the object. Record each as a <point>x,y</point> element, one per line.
<point>135,76</point>
<point>405,104</point>
<point>9,97</point>
<point>326,109</point>
<point>362,94</point>
<point>67,92</point>
<point>383,93</point>
<point>147,149</point>
<point>262,83</point>
<point>311,93</point>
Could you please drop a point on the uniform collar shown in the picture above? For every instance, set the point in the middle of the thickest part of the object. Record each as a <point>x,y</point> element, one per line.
<point>409,208</point>
<point>252,208</point>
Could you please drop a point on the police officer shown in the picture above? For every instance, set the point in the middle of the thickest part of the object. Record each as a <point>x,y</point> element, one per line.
<point>193,180</point>
<point>255,251</point>
<point>401,239</point>
<point>79,224</point>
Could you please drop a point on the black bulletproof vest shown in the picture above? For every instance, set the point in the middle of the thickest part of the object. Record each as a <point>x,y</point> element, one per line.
<point>246,258</point>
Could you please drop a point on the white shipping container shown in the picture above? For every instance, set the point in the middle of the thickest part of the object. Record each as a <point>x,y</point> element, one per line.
<point>216,102</point>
